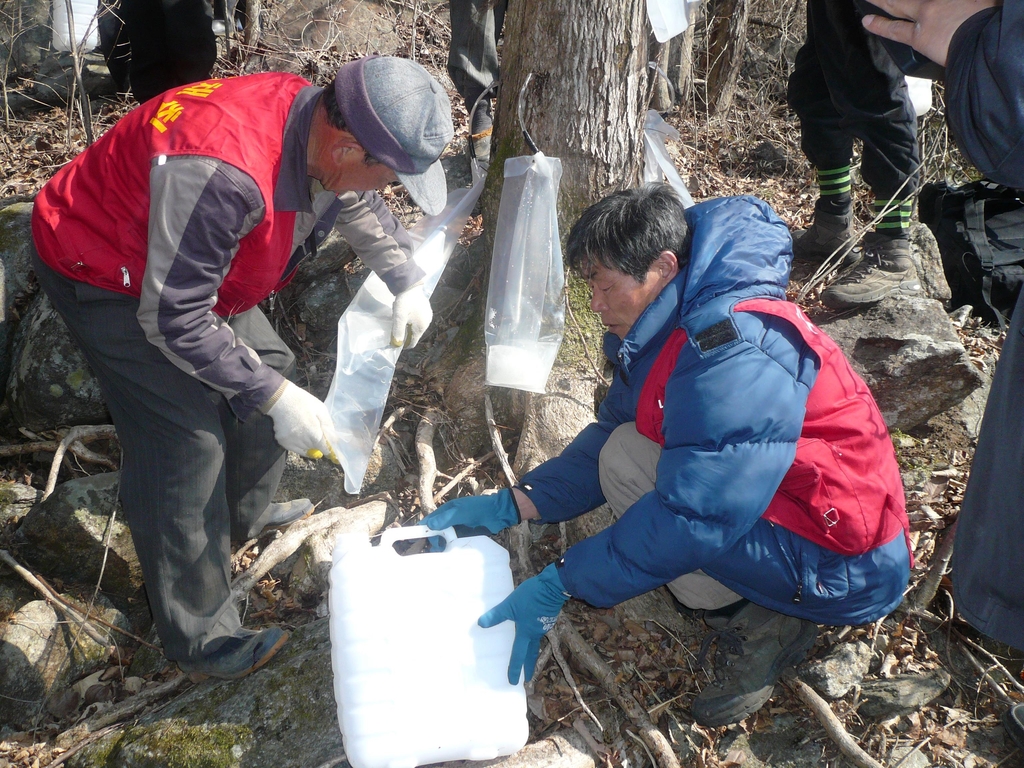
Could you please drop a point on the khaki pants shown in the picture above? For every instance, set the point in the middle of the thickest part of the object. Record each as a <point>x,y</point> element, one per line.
<point>628,469</point>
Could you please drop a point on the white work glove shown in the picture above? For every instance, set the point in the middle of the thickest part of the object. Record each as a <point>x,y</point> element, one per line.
<point>303,424</point>
<point>411,310</point>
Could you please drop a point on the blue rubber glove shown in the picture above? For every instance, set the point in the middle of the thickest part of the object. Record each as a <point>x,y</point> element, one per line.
<point>495,512</point>
<point>534,607</point>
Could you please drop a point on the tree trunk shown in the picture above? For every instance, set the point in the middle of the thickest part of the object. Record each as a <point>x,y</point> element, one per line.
<point>727,41</point>
<point>585,104</point>
<point>680,67</point>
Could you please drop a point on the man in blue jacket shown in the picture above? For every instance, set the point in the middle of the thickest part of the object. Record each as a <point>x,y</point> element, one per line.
<point>747,465</point>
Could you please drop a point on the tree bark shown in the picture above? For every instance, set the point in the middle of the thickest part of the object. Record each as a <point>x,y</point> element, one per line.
<point>727,41</point>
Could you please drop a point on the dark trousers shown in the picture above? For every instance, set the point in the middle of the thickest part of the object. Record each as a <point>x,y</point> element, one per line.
<point>193,476</point>
<point>844,86</point>
<point>161,44</point>
<point>473,57</point>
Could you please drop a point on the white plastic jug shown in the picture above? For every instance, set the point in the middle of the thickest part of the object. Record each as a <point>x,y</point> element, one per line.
<point>658,166</point>
<point>525,313</point>
<point>85,29</point>
<point>416,679</point>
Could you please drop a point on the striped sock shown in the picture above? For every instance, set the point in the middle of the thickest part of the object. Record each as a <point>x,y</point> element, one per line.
<point>834,191</point>
<point>893,222</point>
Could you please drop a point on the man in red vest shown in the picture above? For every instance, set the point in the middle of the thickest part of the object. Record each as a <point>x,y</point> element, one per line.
<point>747,465</point>
<point>157,244</point>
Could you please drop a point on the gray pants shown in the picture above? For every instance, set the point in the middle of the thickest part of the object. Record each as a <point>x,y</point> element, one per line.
<point>628,469</point>
<point>473,57</point>
<point>193,476</point>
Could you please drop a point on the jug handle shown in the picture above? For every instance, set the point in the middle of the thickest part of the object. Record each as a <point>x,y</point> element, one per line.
<point>391,535</point>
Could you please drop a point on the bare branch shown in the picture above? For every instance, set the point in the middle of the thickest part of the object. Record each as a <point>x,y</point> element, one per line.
<point>832,725</point>
<point>427,462</point>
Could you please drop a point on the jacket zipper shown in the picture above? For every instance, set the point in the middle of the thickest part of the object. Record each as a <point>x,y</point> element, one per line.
<point>125,278</point>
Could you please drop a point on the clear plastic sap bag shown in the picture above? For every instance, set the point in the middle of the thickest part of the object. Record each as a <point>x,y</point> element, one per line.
<point>658,165</point>
<point>525,307</point>
<point>670,17</point>
<point>366,359</point>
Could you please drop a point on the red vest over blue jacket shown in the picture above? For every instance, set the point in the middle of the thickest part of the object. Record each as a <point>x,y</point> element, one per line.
<point>90,222</point>
<point>843,491</point>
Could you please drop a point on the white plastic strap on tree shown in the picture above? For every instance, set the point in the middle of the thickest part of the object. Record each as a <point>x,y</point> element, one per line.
<point>670,17</point>
<point>658,166</point>
<point>525,315</point>
<point>366,359</point>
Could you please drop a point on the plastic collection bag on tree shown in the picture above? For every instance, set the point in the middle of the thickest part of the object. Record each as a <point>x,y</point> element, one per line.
<point>525,313</point>
<point>658,166</point>
<point>920,89</point>
<point>83,30</point>
<point>366,359</point>
<point>670,17</point>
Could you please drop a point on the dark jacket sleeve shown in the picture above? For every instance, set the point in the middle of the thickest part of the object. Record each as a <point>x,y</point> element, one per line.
<point>731,424</point>
<point>985,92</point>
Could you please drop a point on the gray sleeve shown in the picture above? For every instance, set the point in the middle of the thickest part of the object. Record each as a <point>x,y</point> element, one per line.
<point>378,238</point>
<point>199,209</point>
<point>985,91</point>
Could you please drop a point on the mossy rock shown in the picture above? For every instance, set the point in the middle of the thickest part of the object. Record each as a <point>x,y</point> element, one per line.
<point>281,716</point>
<point>64,537</point>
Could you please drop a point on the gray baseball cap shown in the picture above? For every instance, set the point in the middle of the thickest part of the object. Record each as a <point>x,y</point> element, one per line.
<point>402,117</point>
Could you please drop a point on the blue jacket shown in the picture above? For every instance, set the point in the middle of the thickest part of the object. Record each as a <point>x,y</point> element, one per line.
<point>730,425</point>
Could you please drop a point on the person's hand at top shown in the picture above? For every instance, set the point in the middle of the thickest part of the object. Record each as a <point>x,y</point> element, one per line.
<point>927,26</point>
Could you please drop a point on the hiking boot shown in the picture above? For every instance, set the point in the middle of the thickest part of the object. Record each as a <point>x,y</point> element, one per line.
<point>1013,721</point>
<point>280,516</point>
<point>885,269</point>
<point>237,656</point>
<point>753,647</point>
<point>480,130</point>
<point>829,233</point>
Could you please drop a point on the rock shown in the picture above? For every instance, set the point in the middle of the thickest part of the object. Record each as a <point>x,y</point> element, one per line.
<point>924,251</point>
<point>16,499</point>
<point>36,657</point>
<point>906,350</point>
<point>842,668</point>
<point>24,49</point>
<point>15,263</point>
<point>64,537</point>
<point>322,303</point>
<point>14,593</point>
<point>53,82</point>
<point>882,699</point>
<point>319,480</point>
<point>901,756</point>
<point>384,472</point>
<point>972,409</point>
<point>281,716</point>
<point>51,384</point>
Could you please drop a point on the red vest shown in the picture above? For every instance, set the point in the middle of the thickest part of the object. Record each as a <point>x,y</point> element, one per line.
<point>844,491</point>
<point>91,221</point>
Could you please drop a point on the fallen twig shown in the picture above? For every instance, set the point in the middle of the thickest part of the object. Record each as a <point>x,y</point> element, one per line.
<point>427,462</point>
<point>922,597</point>
<point>439,496</point>
<point>652,737</point>
<point>832,725</point>
<point>281,548</point>
<point>121,711</point>
<point>519,534</point>
<point>72,440</point>
<point>62,605</point>
<point>995,662</point>
<point>499,449</point>
<point>997,689</point>
<point>556,651</point>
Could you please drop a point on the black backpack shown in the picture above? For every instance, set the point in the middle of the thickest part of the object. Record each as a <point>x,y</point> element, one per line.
<point>980,231</point>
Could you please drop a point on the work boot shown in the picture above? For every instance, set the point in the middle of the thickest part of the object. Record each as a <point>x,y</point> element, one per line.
<point>1013,721</point>
<point>242,653</point>
<point>824,237</point>
<point>280,516</point>
<point>753,647</point>
<point>480,131</point>
<point>885,269</point>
